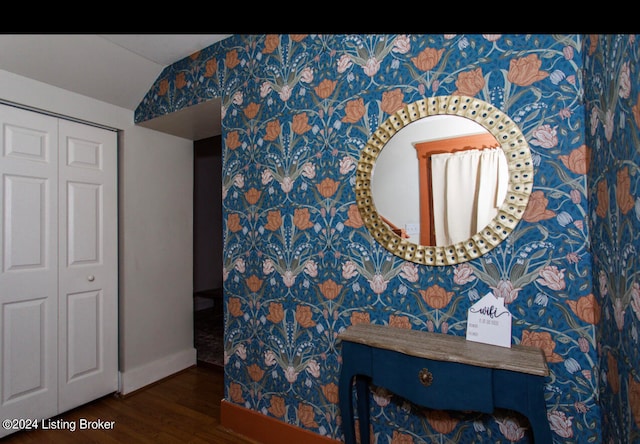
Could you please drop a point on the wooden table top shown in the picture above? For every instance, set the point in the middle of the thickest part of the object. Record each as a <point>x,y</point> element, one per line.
<point>450,348</point>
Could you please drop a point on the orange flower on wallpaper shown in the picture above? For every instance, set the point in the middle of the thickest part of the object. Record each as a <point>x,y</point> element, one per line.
<point>255,372</point>
<point>233,222</point>
<point>602,194</point>
<point>353,111</point>
<point>300,124</point>
<point>635,109</point>
<point>195,55</point>
<point>298,37</point>
<point>325,88</point>
<point>578,160</point>
<point>537,208</point>
<point>541,340</point>
<point>358,317</point>
<point>307,416</point>
<point>304,317</point>
<point>251,110</point>
<point>586,308</point>
<point>330,391</point>
<point>436,296</point>
<point>254,283</point>
<point>470,83</point>
<point>271,43</point>
<point>399,322</point>
<point>623,197</point>
<point>163,87</point>
<point>235,393</point>
<point>441,421</point>
<point>396,438</point>
<point>180,80</point>
<point>634,399</point>
<point>302,218</point>
<point>274,220</point>
<point>330,289</point>
<point>525,71</point>
<point>392,101</point>
<point>273,130</point>
<point>613,378</point>
<point>593,43</point>
<point>252,196</point>
<point>234,307</point>
<point>355,218</point>
<point>276,312</point>
<point>427,59</point>
<point>233,140</point>
<point>211,67</point>
<point>327,187</point>
<point>278,407</point>
<point>231,59</point>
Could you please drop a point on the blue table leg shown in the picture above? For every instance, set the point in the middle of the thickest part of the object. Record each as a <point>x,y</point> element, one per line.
<point>525,394</point>
<point>346,406</point>
<point>356,363</point>
<point>362,391</point>
<point>537,414</point>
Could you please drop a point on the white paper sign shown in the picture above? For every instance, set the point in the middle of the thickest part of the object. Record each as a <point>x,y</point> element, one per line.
<point>488,321</point>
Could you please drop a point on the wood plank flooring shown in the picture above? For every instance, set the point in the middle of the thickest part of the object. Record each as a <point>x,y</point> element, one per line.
<point>183,408</point>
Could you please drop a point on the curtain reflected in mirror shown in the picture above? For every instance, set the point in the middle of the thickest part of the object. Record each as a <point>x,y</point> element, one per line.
<point>439,180</point>
<point>468,188</point>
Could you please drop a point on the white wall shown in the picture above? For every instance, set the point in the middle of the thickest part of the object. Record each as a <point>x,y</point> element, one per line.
<point>156,253</point>
<point>156,234</point>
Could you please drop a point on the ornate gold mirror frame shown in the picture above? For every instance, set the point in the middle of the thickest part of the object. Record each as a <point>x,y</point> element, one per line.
<point>516,150</point>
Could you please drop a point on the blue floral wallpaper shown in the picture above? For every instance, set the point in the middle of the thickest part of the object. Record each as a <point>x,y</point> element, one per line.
<point>612,112</point>
<point>300,266</point>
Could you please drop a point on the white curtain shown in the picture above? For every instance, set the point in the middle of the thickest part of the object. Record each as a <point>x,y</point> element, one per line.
<point>468,188</point>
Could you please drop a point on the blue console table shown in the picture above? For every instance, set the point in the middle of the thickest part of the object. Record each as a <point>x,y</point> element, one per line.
<point>442,372</point>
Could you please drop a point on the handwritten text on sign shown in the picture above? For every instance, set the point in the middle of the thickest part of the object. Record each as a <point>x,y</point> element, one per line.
<point>488,321</point>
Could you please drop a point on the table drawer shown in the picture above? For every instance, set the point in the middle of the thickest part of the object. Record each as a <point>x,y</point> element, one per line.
<point>434,384</point>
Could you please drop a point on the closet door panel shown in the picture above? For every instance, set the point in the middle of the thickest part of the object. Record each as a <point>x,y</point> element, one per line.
<point>24,358</point>
<point>84,334</point>
<point>88,264</point>
<point>28,265</point>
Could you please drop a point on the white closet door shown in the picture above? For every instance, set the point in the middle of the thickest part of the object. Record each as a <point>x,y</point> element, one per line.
<point>58,264</point>
<point>28,265</point>
<point>88,238</point>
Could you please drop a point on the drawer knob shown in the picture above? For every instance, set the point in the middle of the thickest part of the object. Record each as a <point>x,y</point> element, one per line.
<point>425,377</point>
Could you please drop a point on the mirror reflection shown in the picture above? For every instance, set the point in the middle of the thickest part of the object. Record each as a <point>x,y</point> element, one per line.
<point>439,180</point>
<point>388,226</point>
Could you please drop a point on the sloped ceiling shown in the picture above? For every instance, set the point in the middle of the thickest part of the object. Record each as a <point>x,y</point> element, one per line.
<point>114,68</point>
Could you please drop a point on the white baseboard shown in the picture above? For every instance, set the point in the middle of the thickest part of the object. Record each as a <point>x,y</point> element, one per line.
<point>136,378</point>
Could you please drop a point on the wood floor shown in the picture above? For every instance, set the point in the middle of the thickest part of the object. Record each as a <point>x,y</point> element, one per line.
<point>184,408</point>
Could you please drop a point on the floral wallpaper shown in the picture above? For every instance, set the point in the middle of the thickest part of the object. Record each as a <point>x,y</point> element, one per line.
<point>300,266</point>
<point>612,111</point>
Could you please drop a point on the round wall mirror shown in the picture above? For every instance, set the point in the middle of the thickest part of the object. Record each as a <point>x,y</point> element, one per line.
<point>444,180</point>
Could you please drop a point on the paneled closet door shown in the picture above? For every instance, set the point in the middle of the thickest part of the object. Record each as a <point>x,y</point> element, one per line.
<point>88,240</point>
<point>58,264</point>
<point>28,265</point>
